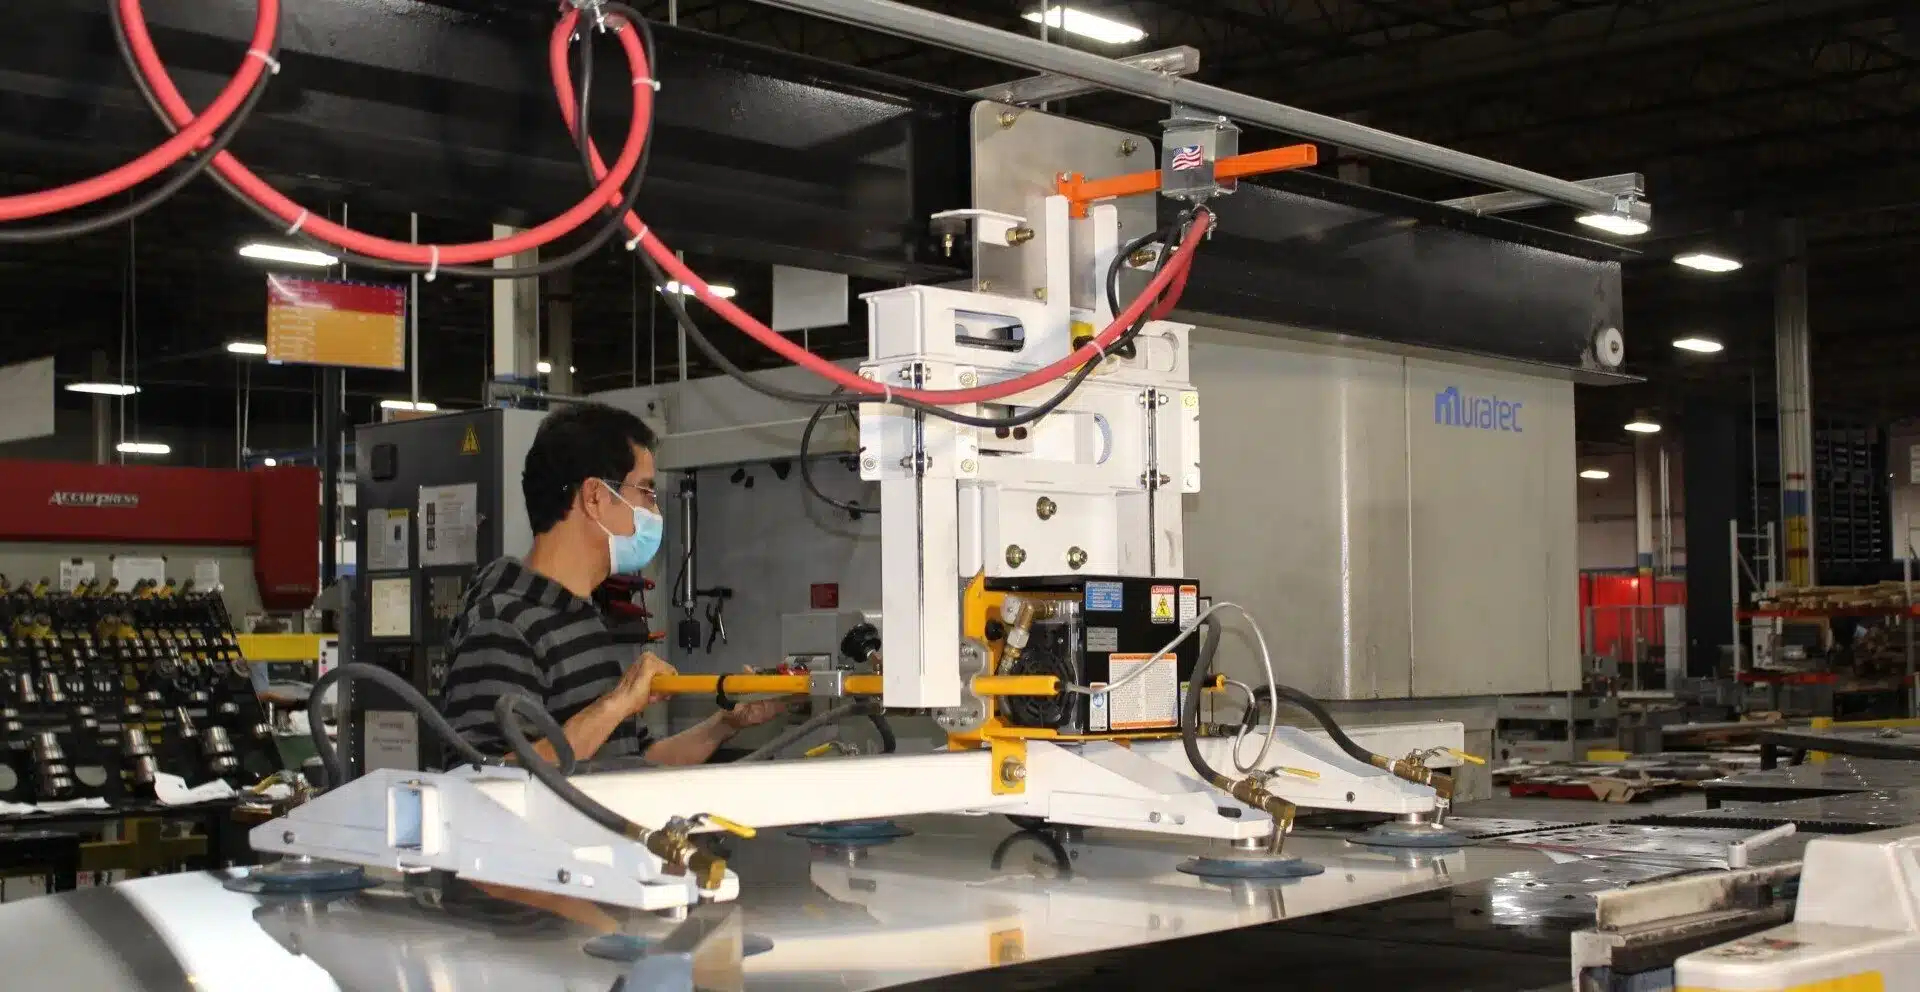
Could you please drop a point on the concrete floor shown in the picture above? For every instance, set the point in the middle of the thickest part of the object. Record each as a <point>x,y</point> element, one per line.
<point>1578,811</point>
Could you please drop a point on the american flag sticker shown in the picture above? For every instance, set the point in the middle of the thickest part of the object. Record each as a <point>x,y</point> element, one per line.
<point>1187,157</point>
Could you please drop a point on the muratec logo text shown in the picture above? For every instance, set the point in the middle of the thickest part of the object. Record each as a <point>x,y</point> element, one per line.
<point>1451,408</point>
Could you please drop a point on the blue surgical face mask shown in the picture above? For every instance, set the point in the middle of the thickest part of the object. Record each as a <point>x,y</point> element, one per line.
<point>629,553</point>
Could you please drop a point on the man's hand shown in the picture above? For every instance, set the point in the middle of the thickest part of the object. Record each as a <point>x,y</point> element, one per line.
<point>635,690</point>
<point>745,715</point>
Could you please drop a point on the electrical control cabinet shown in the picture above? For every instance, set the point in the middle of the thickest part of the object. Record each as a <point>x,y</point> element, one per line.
<point>1097,631</point>
<point>439,498</point>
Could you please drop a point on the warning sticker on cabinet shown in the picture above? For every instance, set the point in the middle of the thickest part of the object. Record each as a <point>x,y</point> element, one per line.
<point>1189,605</point>
<point>1146,700</point>
<point>1161,598</point>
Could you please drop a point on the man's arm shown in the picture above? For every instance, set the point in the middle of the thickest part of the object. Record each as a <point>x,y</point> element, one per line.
<point>494,658</point>
<point>696,745</point>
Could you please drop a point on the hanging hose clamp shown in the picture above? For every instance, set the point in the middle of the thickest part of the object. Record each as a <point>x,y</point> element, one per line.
<point>433,271</point>
<point>273,64</point>
<point>642,236</point>
<point>297,222</point>
<point>596,9</point>
<point>720,697</point>
<point>647,81</point>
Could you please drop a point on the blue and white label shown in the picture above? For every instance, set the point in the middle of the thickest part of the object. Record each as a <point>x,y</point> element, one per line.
<point>1097,719</point>
<point>1105,597</point>
<point>1452,408</point>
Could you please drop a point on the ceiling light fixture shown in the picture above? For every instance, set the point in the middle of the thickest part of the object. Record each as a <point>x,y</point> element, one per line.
<point>271,462</point>
<point>143,448</point>
<point>103,388</point>
<point>1596,474</point>
<point>724,292</point>
<point>421,407</point>
<point>1643,426</point>
<point>1073,20</point>
<point>1699,346</point>
<point>1619,224</point>
<point>247,347</point>
<point>260,251</point>
<point>1706,262</point>
<point>543,368</point>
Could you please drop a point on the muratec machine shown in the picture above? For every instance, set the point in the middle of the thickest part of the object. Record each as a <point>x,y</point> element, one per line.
<point>1035,603</point>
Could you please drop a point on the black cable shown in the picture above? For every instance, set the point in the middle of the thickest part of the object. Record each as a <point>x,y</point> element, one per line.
<point>560,263</point>
<point>510,703</point>
<point>430,714</point>
<point>549,774</point>
<point>806,469</point>
<point>888,743</point>
<point>787,738</point>
<point>1190,710</point>
<point>201,160</point>
<point>1315,710</point>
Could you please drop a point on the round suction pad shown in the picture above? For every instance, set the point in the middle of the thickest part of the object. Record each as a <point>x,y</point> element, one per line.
<point>1250,865</point>
<point>1411,835</point>
<point>628,948</point>
<point>297,876</point>
<point>851,832</point>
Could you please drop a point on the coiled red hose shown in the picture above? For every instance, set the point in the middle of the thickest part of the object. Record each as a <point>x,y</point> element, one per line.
<point>299,218</point>
<point>266,26</point>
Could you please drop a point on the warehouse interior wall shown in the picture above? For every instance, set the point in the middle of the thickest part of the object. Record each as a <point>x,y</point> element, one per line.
<point>1605,511</point>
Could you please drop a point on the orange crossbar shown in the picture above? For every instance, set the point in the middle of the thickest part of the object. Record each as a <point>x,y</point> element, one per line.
<point>854,685</point>
<point>1081,191</point>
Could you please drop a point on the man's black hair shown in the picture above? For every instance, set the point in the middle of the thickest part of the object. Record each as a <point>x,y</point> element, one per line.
<point>575,443</point>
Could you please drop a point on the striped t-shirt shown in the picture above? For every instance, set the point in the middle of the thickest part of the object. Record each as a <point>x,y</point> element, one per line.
<point>519,631</point>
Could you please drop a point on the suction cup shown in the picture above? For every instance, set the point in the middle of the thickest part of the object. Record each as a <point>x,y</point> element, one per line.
<point>299,876</point>
<point>1250,865</point>
<point>851,832</point>
<point>1396,834</point>
<point>627,948</point>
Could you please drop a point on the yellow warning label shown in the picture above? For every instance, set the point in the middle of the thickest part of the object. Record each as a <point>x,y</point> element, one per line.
<point>1162,604</point>
<point>470,445</point>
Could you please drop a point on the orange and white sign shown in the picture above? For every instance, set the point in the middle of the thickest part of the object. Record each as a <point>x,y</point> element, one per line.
<point>323,322</point>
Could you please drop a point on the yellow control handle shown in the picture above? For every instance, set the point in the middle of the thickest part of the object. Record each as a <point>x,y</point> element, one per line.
<point>815,752</point>
<point>735,828</point>
<point>1464,756</point>
<point>1302,772</point>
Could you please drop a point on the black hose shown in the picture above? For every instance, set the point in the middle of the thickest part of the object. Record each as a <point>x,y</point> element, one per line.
<point>549,774</point>
<point>330,756</point>
<point>1315,710</point>
<point>1190,710</point>
<point>806,466</point>
<point>510,705</point>
<point>888,743</point>
<point>586,250</point>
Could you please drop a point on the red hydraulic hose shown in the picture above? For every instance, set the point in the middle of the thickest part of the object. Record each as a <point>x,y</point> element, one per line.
<point>1175,269</point>
<point>266,27</point>
<point>300,219</point>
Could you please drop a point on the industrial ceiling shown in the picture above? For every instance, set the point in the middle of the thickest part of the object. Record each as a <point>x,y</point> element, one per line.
<point>1742,114</point>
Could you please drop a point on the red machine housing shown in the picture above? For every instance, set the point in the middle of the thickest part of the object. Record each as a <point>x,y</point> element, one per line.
<point>274,511</point>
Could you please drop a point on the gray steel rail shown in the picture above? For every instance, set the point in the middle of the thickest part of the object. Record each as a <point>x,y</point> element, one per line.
<point>1004,46</point>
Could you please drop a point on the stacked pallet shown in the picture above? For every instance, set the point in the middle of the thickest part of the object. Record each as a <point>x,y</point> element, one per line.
<point>1891,596</point>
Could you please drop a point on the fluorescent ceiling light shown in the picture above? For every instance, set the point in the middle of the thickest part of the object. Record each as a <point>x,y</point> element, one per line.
<point>543,368</point>
<point>1706,262</point>
<point>1072,20</point>
<point>1644,427</point>
<point>1595,474</point>
<point>1615,224</point>
<point>1703,346</point>
<point>247,347</point>
<point>143,448</point>
<point>724,292</point>
<point>421,407</point>
<point>103,388</point>
<point>270,462</point>
<point>261,251</point>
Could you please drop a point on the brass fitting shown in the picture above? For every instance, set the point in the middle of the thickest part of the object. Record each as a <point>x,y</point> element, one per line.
<point>1413,768</point>
<point>674,846</point>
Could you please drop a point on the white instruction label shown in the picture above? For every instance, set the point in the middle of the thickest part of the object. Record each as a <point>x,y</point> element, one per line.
<point>1097,710</point>
<point>1147,700</point>
<point>74,571</point>
<point>1161,600</point>
<point>450,524</point>
<point>1189,605</point>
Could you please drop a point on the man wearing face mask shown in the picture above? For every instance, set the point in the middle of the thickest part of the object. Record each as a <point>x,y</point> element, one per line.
<point>530,626</point>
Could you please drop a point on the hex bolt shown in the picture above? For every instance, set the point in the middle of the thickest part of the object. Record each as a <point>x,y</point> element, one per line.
<point>1019,433</point>
<point>1076,557</point>
<point>1153,817</point>
<point>1016,556</point>
<point>1040,293</point>
<point>1165,399</point>
<point>986,285</point>
<point>1013,770</point>
<point>287,837</point>
<point>967,465</point>
<point>1349,797</point>
<point>1128,147</point>
<point>869,463</point>
<point>969,379</point>
<point>564,876</point>
<point>1046,508</point>
<point>1007,117</point>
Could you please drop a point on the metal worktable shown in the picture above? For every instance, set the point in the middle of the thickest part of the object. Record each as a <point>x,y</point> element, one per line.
<point>960,895</point>
<point>1890,744</point>
<point>1839,775</point>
